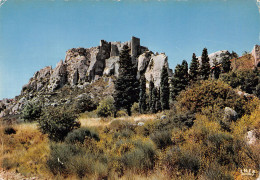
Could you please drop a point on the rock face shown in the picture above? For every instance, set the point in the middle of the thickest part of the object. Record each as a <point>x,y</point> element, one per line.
<point>81,67</point>
<point>219,55</point>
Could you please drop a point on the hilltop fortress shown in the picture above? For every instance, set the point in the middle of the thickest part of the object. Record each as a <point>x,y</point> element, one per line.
<point>84,66</point>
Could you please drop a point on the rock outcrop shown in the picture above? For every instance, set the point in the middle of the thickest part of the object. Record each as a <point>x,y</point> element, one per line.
<point>218,56</point>
<point>83,66</point>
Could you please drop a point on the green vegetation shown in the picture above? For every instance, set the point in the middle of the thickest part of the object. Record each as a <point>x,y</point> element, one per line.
<point>142,95</point>
<point>194,69</point>
<point>194,139</point>
<point>31,112</point>
<point>106,107</point>
<point>205,66</point>
<point>126,85</point>
<point>57,123</point>
<point>164,89</point>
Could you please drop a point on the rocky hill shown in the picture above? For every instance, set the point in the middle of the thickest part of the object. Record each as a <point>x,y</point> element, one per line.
<point>80,69</point>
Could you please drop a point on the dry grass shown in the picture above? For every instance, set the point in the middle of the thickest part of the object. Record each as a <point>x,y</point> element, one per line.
<point>25,151</point>
<point>97,122</point>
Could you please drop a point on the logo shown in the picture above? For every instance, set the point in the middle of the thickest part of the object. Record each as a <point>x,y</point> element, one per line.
<point>248,172</point>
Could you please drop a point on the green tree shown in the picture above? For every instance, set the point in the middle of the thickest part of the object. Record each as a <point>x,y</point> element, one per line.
<point>194,69</point>
<point>205,66</point>
<point>154,100</point>
<point>216,69</point>
<point>179,80</point>
<point>226,64</point>
<point>126,86</point>
<point>142,95</point>
<point>31,112</point>
<point>164,89</point>
<point>151,87</point>
<point>158,104</point>
<point>106,107</point>
<point>58,122</point>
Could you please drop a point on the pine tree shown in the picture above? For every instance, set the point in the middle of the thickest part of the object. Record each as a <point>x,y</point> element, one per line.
<point>164,89</point>
<point>194,69</point>
<point>126,86</point>
<point>158,105</point>
<point>154,101</point>
<point>205,66</point>
<point>226,64</point>
<point>216,69</point>
<point>142,95</point>
<point>179,80</point>
<point>151,87</point>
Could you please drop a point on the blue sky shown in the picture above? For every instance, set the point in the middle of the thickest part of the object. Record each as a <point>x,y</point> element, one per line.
<point>37,33</point>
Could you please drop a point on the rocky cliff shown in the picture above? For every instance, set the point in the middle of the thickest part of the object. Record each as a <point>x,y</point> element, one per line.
<point>80,69</point>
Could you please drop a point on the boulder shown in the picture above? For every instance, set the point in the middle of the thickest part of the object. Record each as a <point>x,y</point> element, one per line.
<point>230,115</point>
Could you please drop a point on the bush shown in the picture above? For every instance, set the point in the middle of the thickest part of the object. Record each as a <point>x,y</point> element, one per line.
<point>162,139</point>
<point>84,103</point>
<point>9,130</point>
<point>70,159</point>
<point>138,155</point>
<point>135,108</point>
<point>57,123</point>
<point>79,135</point>
<point>106,107</point>
<point>183,160</point>
<point>31,112</point>
<point>210,93</point>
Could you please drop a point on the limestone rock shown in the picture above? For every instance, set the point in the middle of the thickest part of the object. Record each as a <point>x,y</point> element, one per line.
<point>230,114</point>
<point>154,69</point>
<point>219,55</point>
<point>112,66</point>
<point>58,77</point>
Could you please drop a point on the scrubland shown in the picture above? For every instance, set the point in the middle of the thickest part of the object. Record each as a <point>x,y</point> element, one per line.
<point>192,140</point>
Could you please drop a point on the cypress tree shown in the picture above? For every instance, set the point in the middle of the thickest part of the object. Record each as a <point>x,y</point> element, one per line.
<point>126,86</point>
<point>215,69</point>
<point>180,79</point>
<point>154,100</point>
<point>151,87</point>
<point>194,69</point>
<point>164,89</point>
<point>142,95</point>
<point>226,64</point>
<point>158,105</point>
<point>205,66</point>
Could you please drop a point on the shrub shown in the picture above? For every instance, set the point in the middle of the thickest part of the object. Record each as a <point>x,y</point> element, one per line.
<point>84,103</point>
<point>57,123</point>
<point>106,107</point>
<point>210,93</point>
<point>9,130</point>
<point>31,112</point>
<point>79,135</point>
<point>162,139</point>
<point>135,108</point>
<point>70,159</point>
<point>183,160</point>
<point>138,155</point>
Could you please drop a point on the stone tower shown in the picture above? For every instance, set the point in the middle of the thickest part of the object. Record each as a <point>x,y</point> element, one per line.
<point>256,55</point>
<point>135,46</point>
